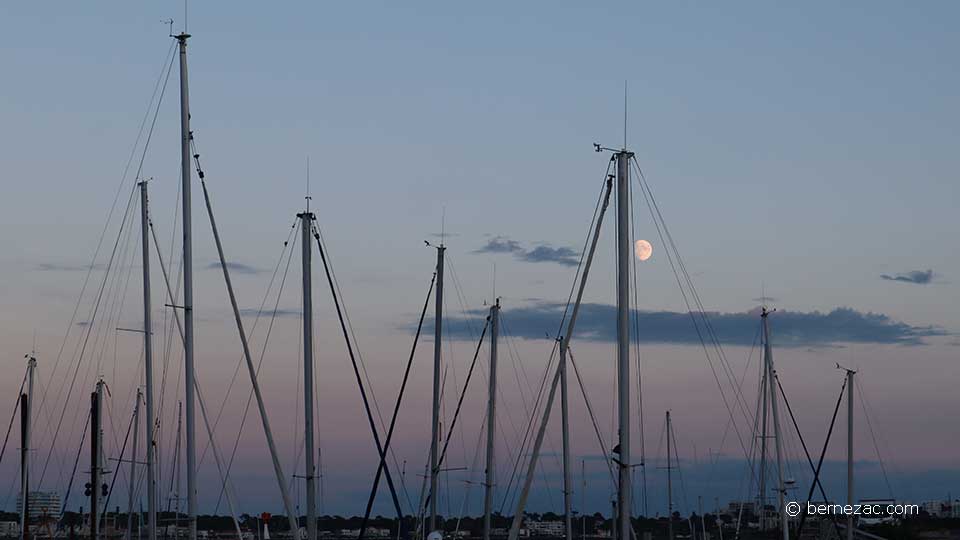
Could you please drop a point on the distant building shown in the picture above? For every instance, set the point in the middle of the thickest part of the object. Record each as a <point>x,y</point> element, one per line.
<point>42,504</point>
<point>933,508</point>
<point>9,529</point>
<point>546,528</point>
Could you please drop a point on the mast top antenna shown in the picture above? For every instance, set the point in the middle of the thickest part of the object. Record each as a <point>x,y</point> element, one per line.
<point>308,197</point>
<point>848,370</point>
<point>624,115</point>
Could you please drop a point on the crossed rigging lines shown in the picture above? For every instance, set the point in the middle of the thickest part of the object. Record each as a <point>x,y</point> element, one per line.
<point>112,289</point>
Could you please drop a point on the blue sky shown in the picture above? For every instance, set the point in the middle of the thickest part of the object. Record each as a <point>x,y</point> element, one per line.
<point>801,151</point>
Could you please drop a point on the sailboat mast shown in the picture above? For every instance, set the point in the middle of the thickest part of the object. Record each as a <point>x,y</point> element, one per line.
<point>148,365</point>
<point>565,428</point>
<point>435,424</point>
<point>306,224</point>
<point>133,465</point>
<point>850,374</point>
<point>623,338</point>
<point>771,385</point>
<point>669,479</point>
<point>571,324</point>
<point>189,373</point>
<point>26,431</point>
<point>96,452</point>
<point>491,420</point>
<point>762,522</point>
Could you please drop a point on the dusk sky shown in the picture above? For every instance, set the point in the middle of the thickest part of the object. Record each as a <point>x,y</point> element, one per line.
<point>801,152</point>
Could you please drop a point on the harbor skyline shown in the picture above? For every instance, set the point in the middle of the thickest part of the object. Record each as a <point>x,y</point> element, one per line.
<point>801,156</point>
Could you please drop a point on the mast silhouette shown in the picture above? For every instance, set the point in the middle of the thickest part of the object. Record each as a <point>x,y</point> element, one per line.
<point>491,421</point>
<point>669,479</point>
<point>133,465</point>
<point>623,338</point>
<point>306,223</point>
<point>189,372</point>
<point>148,364</point>
<point>435,425</point>
<point>26,433</point>
<point>565,428</point>
<point>850,374</point>
<point>770,375</point>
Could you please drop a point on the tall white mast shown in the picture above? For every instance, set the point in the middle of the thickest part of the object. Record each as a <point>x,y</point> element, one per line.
<point>623,338</point>
<point>148,365</point>
<point>189,373</point>
<point>772,391</point>
<point>306,224</point>
<point>491,421</point>
<point>435,425</point>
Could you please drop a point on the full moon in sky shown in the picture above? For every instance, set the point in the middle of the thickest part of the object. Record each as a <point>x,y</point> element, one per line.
<point>643,249</point>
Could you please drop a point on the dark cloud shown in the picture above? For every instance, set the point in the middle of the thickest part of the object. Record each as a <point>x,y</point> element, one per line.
<point>918,277</point>
<point>500,244</point>
<point>543,253</point>
<point>239,268</point>
<point>597,322</point>
<point>548,253</point>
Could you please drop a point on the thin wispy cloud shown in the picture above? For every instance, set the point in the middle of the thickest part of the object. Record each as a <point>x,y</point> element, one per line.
<point>542,253</point>
<point>279,312</point>
<point>236,267</point>
<point>59,267</point>
<point>597,322</point>
<point>917,277</point>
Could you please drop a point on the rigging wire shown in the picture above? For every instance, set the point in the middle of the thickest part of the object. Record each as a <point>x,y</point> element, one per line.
<point>463,393</point>
<point>16,406</point>
<point>110,214</point>
<point>515,358</point>
<point>823,453</point>
<point>83,347</point>
<point>73,474</point>
<point>635,319</point>
<point>263,350</point>
<point>253,328</point>
<point>667,240</point>
<point>593,418</point>
<point>325,254</point>
<point>528,436</point>
<point>334,291</point>
<point>396,411</point>
<point>876,447</point>
<point>123,178</point>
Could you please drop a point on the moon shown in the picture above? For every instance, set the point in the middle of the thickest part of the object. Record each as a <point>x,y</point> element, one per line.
<point>643,249</point>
